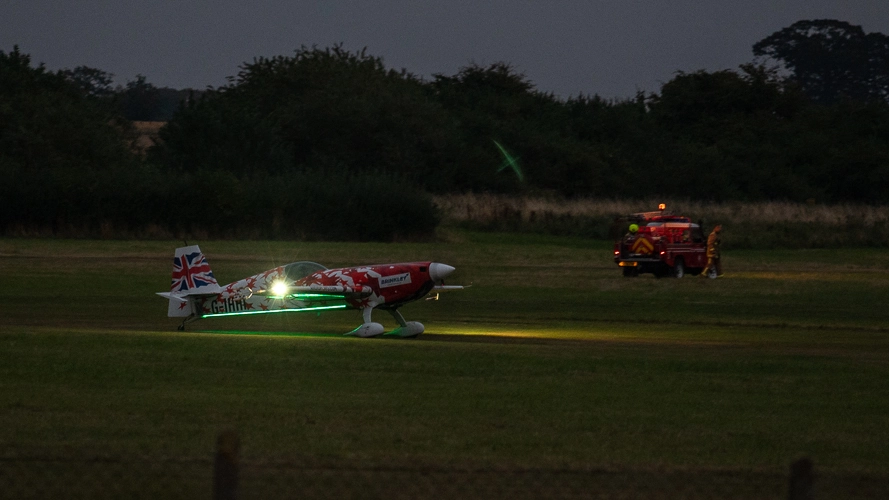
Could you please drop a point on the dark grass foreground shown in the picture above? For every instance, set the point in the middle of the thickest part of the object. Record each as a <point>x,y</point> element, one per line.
<point>553,376</point>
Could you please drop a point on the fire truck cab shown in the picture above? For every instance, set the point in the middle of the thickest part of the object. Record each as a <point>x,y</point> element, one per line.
<point>661,244</point>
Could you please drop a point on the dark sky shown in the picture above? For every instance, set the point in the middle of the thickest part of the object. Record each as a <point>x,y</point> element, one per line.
<point>612,48</point>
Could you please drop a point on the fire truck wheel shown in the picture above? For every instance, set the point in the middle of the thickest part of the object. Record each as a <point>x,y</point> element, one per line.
<point>679,269</point>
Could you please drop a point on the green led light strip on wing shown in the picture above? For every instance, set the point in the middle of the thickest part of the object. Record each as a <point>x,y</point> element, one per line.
<point>244,313</point>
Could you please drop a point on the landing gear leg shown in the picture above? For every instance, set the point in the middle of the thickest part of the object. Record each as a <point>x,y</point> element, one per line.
<point>186,321</point>
<point>369,328</point>
<point>406,328</point>
<point>398,317</point>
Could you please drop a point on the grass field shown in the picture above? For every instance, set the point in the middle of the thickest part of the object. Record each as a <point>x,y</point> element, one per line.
<point>551,360</point>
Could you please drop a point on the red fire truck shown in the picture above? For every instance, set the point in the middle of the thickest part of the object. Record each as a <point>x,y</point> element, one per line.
<point>661,244</point>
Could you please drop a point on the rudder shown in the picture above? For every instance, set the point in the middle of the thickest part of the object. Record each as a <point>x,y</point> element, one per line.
<point>191,270</point>
<point>191,276</point>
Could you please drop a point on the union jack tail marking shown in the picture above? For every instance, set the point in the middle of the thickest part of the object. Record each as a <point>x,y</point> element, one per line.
<point>191,270</point>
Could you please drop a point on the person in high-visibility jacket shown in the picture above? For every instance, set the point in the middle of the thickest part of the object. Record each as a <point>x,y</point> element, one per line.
<point>713,260</point>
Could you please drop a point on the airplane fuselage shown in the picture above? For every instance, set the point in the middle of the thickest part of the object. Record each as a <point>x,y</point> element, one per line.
<point>386,286</point>
<point>303,286</point>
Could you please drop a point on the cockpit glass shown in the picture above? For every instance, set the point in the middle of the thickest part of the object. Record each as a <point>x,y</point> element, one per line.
<point>299,270</point>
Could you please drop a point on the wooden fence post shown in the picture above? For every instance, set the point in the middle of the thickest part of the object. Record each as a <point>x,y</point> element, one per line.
<point>802,477</point>
<point>225,466</point>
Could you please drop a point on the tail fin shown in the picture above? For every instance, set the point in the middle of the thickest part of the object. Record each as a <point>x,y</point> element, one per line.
<point>191,276</point>
<point>191,270</point>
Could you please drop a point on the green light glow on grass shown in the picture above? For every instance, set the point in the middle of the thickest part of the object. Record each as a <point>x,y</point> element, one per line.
<point>246,313</point>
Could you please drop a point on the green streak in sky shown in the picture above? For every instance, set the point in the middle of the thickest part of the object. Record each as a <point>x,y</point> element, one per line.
<point>510,161</point>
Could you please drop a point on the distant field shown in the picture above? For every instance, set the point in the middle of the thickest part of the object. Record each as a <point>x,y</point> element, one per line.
<point>550,360</point>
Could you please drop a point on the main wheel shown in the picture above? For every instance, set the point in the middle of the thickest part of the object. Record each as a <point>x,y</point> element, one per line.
<point>679,269</point>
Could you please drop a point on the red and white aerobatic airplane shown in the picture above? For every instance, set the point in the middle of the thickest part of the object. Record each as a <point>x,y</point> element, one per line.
<point>304,286</point>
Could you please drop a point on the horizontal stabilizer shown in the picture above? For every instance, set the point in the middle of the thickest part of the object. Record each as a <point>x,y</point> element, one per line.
<point>181,303</point>
<point>170,296</point>
<point>204,291</point>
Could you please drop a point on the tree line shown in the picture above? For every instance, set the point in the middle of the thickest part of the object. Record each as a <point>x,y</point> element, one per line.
<point>329,143</point>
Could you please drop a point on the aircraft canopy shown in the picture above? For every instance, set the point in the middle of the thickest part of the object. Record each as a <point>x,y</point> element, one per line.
<point>299,270</point>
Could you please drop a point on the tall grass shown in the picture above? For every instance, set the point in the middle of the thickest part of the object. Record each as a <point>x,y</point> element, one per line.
<point>745,224</point>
